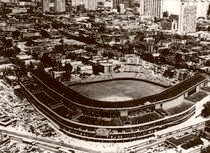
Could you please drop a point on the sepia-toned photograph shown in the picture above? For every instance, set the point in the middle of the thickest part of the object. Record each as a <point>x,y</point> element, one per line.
<point>104,76</point>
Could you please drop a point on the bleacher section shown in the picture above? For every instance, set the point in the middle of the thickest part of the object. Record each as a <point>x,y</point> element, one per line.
<point>55,105</point>
<point>117,121</point>
<point>206,88</point>
<point>100,121</point>
<point>157,79</point>
<point>162,112</point>
<point>123,75</point>
<point>197,96</point>
<point>145,118</point>
<point>180,108</point>
<point>64,112</point>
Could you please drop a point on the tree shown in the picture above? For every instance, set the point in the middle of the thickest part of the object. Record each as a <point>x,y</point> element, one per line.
<point>31,66</point>
<point>208,12</point>
<point>16,34</point>
<point>81,8</point>
<point>46,59</point>
<point>208,28</point>
<point>7,42</point>
<point>57,25</point>
<point>165,14</point>
<point>206,111</point>
<point>44,33</point>
<point>110,55</point>
<point>59,49</point>
<point>17,50</point>
<point>207,63</point>
<point>29,42</point>
<point>61,41</point>
<point>68,68</point>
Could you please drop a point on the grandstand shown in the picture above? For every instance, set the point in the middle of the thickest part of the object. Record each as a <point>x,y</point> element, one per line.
<point>180,108</point>
<point>79,116</point>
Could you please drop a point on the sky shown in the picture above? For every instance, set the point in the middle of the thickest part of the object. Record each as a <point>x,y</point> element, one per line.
<point>172,6</point>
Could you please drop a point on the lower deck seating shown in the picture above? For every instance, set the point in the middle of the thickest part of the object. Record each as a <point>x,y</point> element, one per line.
<point>100,121</point>
<point>162,112</point>
<point>64,112</point>
<point>45,99</point>
<point>145,118</point>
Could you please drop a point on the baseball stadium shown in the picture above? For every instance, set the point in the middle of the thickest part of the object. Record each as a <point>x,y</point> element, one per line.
<point>119,109</point>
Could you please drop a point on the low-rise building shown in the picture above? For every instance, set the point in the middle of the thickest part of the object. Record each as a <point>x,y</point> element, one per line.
<point>75,64</point>
<point>85,69</point>
<point>58,74</point>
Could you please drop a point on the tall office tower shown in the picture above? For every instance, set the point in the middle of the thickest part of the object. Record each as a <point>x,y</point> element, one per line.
<point>68,5</point>
<point>60,5</point>
<point>46,5</point>
<point>202,9</point>
<point>91,4</point>
<point>141,7</point>
<point>121,8</point>
<point>80,2</point>
<point>153,8</point>
<point>174,6</point>
<point>108,4</point>
<point>37,1</point>
<point>14,1</point>
<point>116,3</point>
<point>127,3</point>
<point>188,16</point>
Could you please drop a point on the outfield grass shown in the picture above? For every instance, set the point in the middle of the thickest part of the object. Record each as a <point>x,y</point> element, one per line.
<point>127,89</point>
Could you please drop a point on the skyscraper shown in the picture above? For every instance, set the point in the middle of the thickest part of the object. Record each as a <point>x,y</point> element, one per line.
<point>187,17</point>
<point>60,5</point>
<point>127,3</point>
<point>14,1</point>
<point>174,6</point>
<point>188,12</point>
<point>152,8</point>
<point>203,6</point>
<point>93,4</point>
<point>46,5</point>
<point>68,5</point>
<point>80,2</point>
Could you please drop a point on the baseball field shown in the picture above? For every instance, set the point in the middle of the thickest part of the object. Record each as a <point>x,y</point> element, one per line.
<point>118,90</point>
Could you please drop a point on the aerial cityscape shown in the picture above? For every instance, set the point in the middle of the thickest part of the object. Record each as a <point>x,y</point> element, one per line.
<point>105,76</point>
